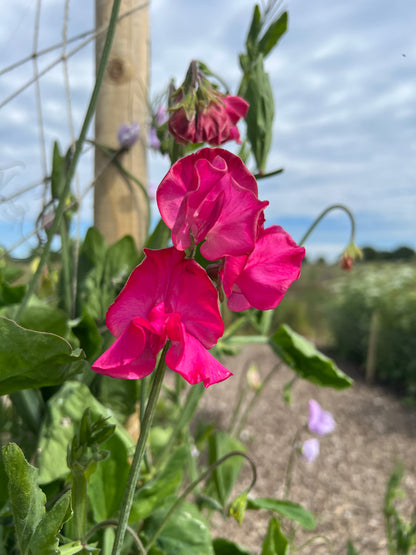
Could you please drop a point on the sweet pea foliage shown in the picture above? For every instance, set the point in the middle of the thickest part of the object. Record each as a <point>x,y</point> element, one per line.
<point>167,297</point>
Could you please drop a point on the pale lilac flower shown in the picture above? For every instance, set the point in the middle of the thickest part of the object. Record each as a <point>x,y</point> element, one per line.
<point>310,449</point>
<point>128,134</point>
<point>154,139</point>
<point>161,115</point>
<point>320,422</point>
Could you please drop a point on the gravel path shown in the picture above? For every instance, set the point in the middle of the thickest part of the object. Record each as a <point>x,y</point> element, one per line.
<point>345,486</point>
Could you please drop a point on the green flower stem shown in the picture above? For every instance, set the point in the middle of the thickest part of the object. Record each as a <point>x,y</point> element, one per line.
<point>143,396</point>
<point>194,395</point>
<point>235,326</point>
<point>255,398</point>
<point>138,455</point>
<point>246,339</point>
<point>324,213</point>
<point>112,522</point>
<point>291,464</point>
<point>269,174</point>
<point>66,268</point>
<point>75,158</point>
<point>79,505</point>
<point>191,486</point>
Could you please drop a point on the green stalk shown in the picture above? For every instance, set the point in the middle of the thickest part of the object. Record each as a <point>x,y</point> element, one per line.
<point>79,505</point>
<point>323,214</point>
<point>138,455</point>
<point>254,399</point>
<point>194,395</point>
<point>77,153</point>
<point>66,268</point>
<point>191,486</point>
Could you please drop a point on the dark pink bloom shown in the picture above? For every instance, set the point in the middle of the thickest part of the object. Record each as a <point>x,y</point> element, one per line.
<point>167,297</point>
<point>261,278</point>
<point>214,124</point>
<point>210,195</point>
<point>320,421</point>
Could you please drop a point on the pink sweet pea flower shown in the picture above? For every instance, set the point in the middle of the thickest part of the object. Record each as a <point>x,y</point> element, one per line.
<point>261,278</point>
<point>320,422</point>
<point>214,124</point>
<point>310,449</point>
<point>166,297</point>
<point>210,195</point>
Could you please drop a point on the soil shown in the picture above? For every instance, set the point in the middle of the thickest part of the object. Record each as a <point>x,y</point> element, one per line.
<point>345,486</point>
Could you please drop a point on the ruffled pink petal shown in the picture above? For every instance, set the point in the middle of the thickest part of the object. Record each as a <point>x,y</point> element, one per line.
<point>269,271</point>
<point>236,108</point>
<point>194,363</point>
<point>132,355</point>
<point>211,195</point>
<point>192,295</point>
<point>142,291</point>
<point>235,231</point>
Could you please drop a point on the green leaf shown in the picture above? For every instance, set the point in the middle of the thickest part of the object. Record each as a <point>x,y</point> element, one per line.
<point>4,491</point>
<point>275,542</point>
<point>290,510</point>
<point>106,486</point>
<point>306,360</point>
<point>225,475</point>
<point>70,548</point>
<point>120,260</point>
<point>64,412</point>
<point>58,172</point>
<point>225,547</point>
<point>186,531</point>
<point>90,339</point>
<point>272,35</point>
<point>165,484</point>
<point>350,549</point>
<point>43,317</point>
<point>32,359</point>
<point>103,272</point>
<point>44,539</point>
<point>159,238</point>
<point>27,499</point>
<point>11,294</point>
<point>259,94</point>
<point>254,31</point>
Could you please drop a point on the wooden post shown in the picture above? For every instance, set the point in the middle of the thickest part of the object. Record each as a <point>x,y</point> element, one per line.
<point>120,207</point>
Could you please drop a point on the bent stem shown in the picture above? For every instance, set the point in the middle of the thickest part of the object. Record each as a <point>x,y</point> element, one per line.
<point>323,214</point>
<point>200,478</point>
<point>254,399</point>
<point>139,453</point>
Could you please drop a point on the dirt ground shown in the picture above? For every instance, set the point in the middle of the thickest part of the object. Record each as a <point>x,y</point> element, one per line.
<point>345,486</point>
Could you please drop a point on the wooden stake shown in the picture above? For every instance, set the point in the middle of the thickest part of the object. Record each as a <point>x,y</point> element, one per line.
<point>120,207</point>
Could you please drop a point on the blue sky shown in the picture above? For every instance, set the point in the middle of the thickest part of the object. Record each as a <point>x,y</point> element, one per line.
<point>344,79</point>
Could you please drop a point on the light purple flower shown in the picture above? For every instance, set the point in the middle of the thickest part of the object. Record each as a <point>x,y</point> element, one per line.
<point>320,422</point>
<point>154,139</point>
<point>161,115</point>
<point>128,134</point>
<point>310,449</point>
